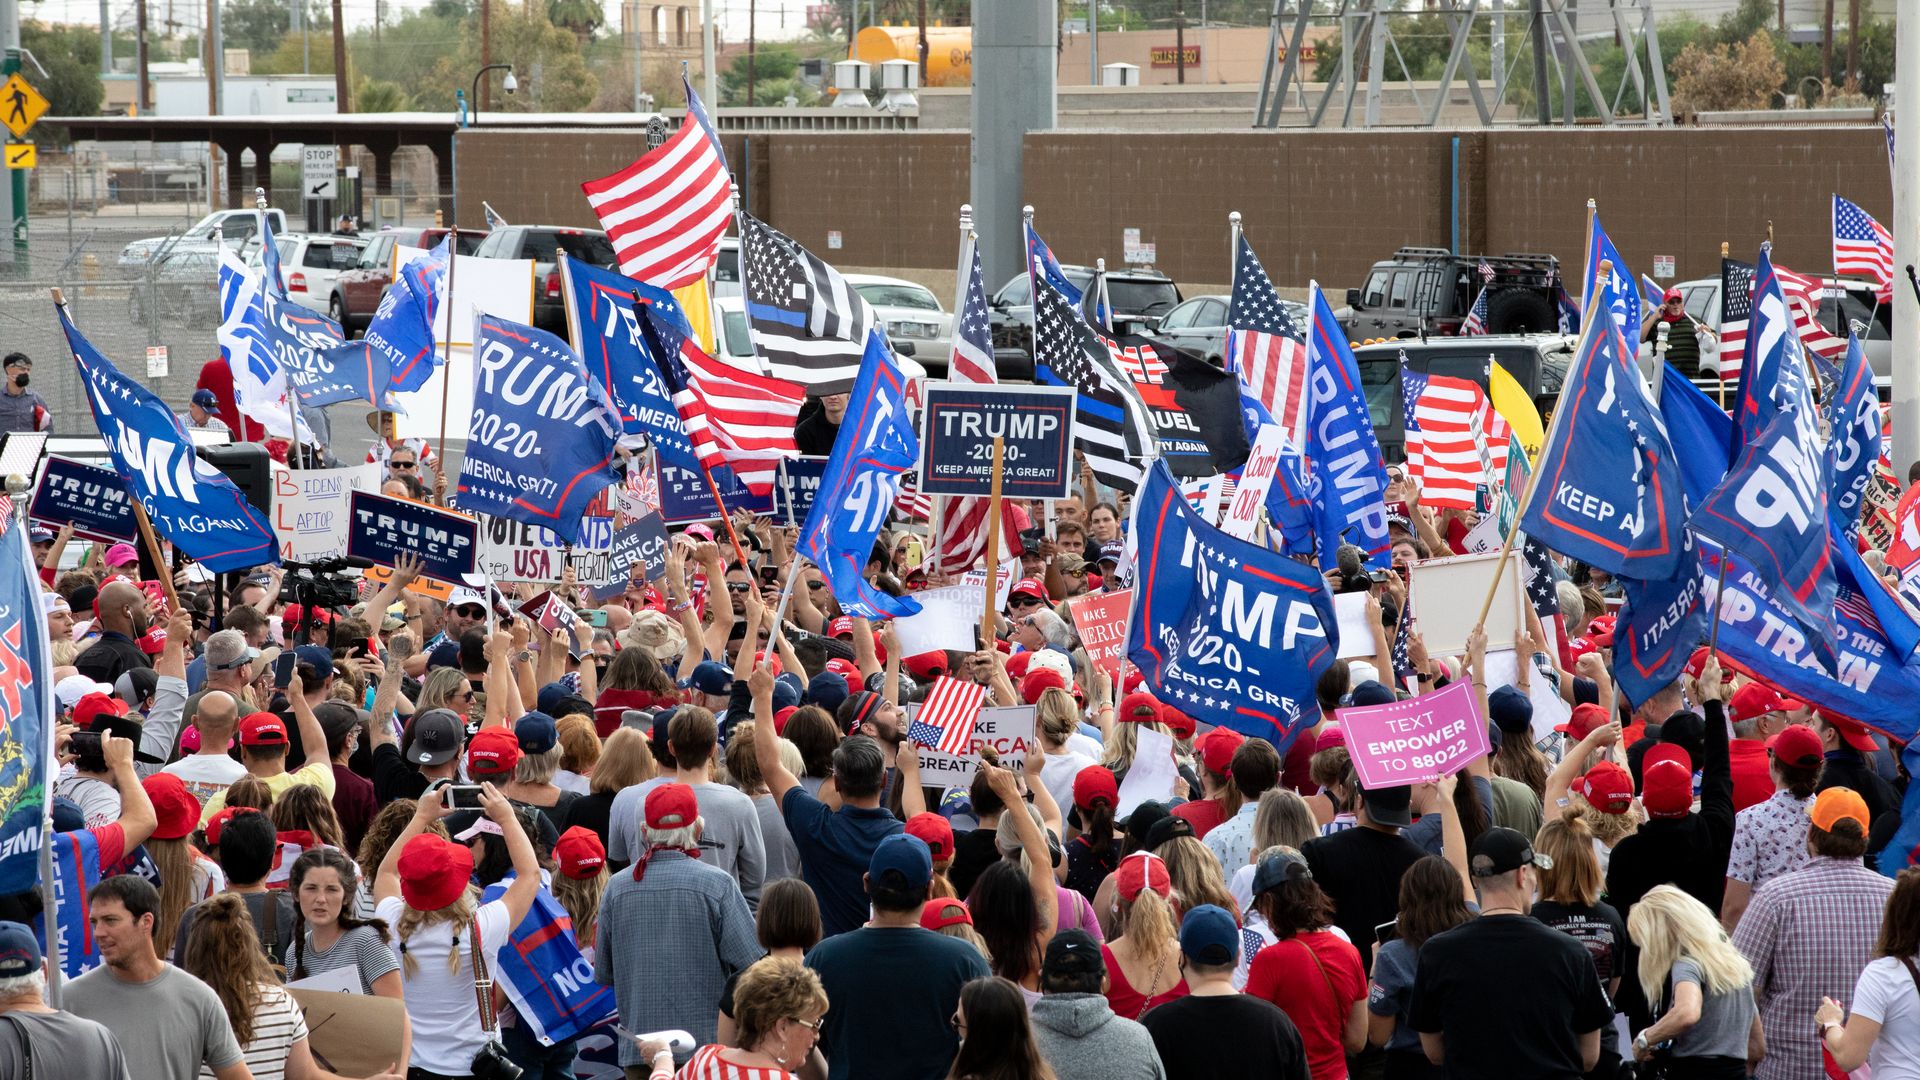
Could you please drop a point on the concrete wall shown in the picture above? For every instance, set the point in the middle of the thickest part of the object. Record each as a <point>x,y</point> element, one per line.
<point>1317,205</point>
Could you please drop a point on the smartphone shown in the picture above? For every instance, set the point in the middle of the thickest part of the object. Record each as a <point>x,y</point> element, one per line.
<point>87,745</point>
<point>1378,577</point>
<point>462,796</point>
<point>916,554</point>
<point>1386,931</point>
<point>596,618</point>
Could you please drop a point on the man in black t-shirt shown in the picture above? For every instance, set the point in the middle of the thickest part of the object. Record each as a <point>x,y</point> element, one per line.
<point>1503,996</point>
<point>1216,1032</point>
<point>1360,868</point>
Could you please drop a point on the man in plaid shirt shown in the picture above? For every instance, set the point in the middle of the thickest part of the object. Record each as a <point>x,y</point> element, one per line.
<point>1812,930</point>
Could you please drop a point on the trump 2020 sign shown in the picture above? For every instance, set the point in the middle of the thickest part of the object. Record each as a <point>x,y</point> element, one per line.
<point>1034,424</point>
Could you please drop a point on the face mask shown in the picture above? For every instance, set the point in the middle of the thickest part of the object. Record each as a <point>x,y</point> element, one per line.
<point>20,380</point>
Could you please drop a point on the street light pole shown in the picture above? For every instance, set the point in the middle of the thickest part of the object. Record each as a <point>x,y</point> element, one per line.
<point>510,84</point>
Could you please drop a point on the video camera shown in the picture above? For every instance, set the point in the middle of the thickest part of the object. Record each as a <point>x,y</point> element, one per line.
<point>321,584</point>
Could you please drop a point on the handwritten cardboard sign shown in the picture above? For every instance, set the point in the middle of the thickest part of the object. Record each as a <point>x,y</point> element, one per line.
<point>1419,739</point>
<point>1101,619</point>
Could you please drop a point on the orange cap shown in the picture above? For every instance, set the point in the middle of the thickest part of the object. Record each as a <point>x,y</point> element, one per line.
<point>1835,805</point>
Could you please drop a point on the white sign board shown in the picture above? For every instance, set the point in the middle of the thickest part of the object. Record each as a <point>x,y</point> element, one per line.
<point>1447,594</point>
<point>1663,266</point>
<point>1549,708</point>
<point>1356,630</point>
<point>1256,477</point>
<point>1132,250</point>
<point>515,551</point>
<point>949,618</point>
<point>319,172</point>
<point>502,287</point>
<point>834,240</point>
<point>157,363</point>
<point>310,509</point>
<point>1152,774</point>
<point>1008,729</point>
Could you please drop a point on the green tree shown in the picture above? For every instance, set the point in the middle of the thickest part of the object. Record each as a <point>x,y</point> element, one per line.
<point>255,25</point>
<point>310,52</point>
<point>375,96</point>
<point>776,71</point>
<point>408,48</point>
<point>71,55</point>
<point>582,17</point>
<point>553,74</point>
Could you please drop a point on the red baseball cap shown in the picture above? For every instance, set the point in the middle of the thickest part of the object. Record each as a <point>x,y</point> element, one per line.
<point>94,705</point>
<point>1138,707</point>
<point>220,819</point>
<point>434,872</point>
<point>1095,784</point>
<point>154,641</point>
<point>1142,870</point>
<point>1038,682</point>
<point>1017,663</point>
<point>1600,630</point>
<point>1754,700</point>
<point>1330,736</point>
<point>1216,750</point>
<point>1697,662</point>
<point>493,752</point>
<point>1798,746</point>
<point>175,808</point>
<point>1580,647</point>
<point>1135,678</point>
<point>1030,586</point>
<point>843,668</point>
<point>262,729</point>
<point>1179,723</point>
<point>1608,788</point>
<point>1666,787</point>
<point>580,853</point>
<point>941,912</point>
<point>926,666</point>
<point>671,806</point>
<point>840,626</point>
<point>781,717</point>
<point>1586,719</point>
<point>935,831</point>
<point>1852,732</point>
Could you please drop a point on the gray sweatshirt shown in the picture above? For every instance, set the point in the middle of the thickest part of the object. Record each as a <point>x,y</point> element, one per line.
<point>1083,1040</point>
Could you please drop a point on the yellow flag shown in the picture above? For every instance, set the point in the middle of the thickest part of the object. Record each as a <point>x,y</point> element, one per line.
<point>1516,408</point>
<point>699,312</point>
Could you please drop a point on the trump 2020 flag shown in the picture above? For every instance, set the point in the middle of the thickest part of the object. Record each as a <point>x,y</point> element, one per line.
<point>1609,492</point>
<point>402,326</point>
<point>875,445</point>
<point>1622,296</point>
<point>26,712</point>
<point>1228,632</point>
<point>1775,374</point>
<point>262,385</point>
<point>1660,624</point>
<point>1853,416</point>
<point>543,434</point>
<point>189,501</point>
<point>546,973</point>
<point>1350,505</point>
<point>605,320</point>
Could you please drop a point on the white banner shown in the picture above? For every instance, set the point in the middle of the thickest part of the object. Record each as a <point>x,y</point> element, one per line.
<point>310,509</point>
<point>1256,477</point>
<point>501,287</point>
<point>515,551</point>
<point>948,619</point>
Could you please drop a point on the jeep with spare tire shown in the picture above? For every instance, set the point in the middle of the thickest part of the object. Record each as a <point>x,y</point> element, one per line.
<point>1424,291</point>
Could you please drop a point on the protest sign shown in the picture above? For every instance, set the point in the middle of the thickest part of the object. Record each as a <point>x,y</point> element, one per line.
<point>685,496</point>
<point>1033,422</point>
<point>552,613</point>
<point>515,551</point>
<point>1356,630</point>
<point>1256,479</point>
<point>502,287</point>
<point>798,483</point>
<point>352,1034</point>
<point>310,509</point>
<point>1009,573</point>
<point>1549,708</point>
<point>1008,729</point>
<point>1101,620</point>
<point>643,541</point>
<point>948,619</point>
<point>1419,739</point>
<point>1152,774</point>
<point>383,529</point>
<point>92,500</point>
<point>1441,588</point>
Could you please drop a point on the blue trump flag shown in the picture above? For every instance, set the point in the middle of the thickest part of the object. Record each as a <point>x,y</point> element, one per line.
<point>1775,376</point>
<point>1350,505</point>
<point>1042,265</point>
<point>1621,295</point>
<point>189,501</point>
<point>1290,498</point>
<point>1698,430</point>
<point>1228,632</point>
<point>875,445</point>
<point>270,255</point>
<point>1853,417</point>
<point>605,319</point>
<point>1623,517</point>
<point>402,326</point>
<point>26,713</point>
<point>544,430</point>
<point>267,331</point>
<point>1771,510</point>
<point>1660,624</point>
<point>546,973</point>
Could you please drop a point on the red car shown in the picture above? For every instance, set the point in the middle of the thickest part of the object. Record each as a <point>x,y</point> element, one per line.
<point>356,292</point>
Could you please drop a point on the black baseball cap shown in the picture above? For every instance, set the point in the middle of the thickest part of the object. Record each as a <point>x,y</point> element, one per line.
<point>1502,851</point>
<point>1142,820</point>
<point>1389,805</point>
<point>1072,953</point>
<point>1168,828</point>
<point>437,735</point>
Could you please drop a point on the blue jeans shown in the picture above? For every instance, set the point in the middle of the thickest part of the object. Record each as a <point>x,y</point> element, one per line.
<point>539,1062</point>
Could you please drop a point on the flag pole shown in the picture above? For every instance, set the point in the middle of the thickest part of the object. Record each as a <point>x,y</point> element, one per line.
<point>988,629</point>
<point>49,766</point>
<point>1233,241</point>
<point>1713,632</point>
<point>963,276</point>
<point>293,406</point>
<point>1533,475</point>
<point>446,362</point>
<point>1720,338</point>
<point>780,614</point>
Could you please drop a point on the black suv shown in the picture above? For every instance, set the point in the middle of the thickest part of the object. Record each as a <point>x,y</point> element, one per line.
<point>1538,362</point>
<point>541,243</point>
<point>1428,291</point>
<point>1139,297</point>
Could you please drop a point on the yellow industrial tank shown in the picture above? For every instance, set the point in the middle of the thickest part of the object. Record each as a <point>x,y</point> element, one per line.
<point>949,50</point>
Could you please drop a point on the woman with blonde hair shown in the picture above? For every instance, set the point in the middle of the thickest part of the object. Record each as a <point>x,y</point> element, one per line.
<point>303,815</point>
<point>1569,901</point>
<point>223,951</point>
<point>778,1005</point>
<point>579,752</point>
<point>949,916</point>
<point>446,688</point>
<point>579,881</point>
<point>1283,820</point>
<point>625,760</point>
<point>1143,959</point>
<point>186,876</point>
<point>1332,769</point>
<point>1700,985</point>
<point>1599,788</point>
<point>1196,875</point>
<point>743,772</point>
<point>1055,720</point>
<point>425,892</point>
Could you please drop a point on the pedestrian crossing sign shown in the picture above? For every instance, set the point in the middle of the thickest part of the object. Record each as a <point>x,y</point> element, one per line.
<point>20,105</point>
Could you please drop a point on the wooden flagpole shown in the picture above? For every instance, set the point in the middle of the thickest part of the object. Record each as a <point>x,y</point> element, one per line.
<point>988,626</point>
<point>1719,340</point>
<point>446,361</point>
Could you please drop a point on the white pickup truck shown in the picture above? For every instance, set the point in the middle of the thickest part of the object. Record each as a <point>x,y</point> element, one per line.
<point>236,228</point>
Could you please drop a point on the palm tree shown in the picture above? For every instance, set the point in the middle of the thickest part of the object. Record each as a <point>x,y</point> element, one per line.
<point>376,96</point>
<point>582,17</point>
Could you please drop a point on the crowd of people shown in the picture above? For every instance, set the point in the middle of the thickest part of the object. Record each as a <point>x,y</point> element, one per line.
<point>725,811</point>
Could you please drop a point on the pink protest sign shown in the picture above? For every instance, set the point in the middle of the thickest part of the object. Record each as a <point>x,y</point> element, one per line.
<point>1101,620</point>
<point>1419,739</point>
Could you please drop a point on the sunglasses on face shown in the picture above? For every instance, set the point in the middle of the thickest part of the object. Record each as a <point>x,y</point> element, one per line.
<point>403,464</point>
<point>816,584</point>
<point>470,611</point>
<point>1024,601</point>
<point>739,586</point>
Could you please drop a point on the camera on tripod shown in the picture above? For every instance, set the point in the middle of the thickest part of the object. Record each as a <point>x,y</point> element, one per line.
<point>320,584</point>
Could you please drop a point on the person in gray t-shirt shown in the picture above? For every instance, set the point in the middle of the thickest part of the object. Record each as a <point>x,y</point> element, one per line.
<point>175,1020</point>
<point>40,1041</point>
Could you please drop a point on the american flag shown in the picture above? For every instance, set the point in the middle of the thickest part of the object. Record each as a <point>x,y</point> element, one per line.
<point>1856,606</point>
<point>1736,308</point>
<point>1862,246</point>
<point>963,536</point>
<point>665,213</point>
<point>944,721</point>
<point>1403,669</point>
<point>1266,345</point>
<point>910,503</point>
<point>1109,423</point>
<point>1476,323</point>
<point>808,324</point>
<point>1446,426</point>
<point>733,414</point>
<point>1804,296</point>
<point>1486,272</point>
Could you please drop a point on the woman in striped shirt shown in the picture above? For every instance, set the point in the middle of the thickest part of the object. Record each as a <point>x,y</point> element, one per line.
<point>324,883</point>
<point>778,1005</point>
<point>224,952</point>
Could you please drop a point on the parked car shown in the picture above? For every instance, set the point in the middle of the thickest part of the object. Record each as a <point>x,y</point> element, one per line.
<point>1199,325</point>
<point>183,287</point>
<point>236,227</point>
<point>542,244</point>
<point>1841,298</point>
<point>912,315</point>
<point>310,262</point>
<point>1423,290</point>
<point>726,267</point>
<point>356,292</point>
<point>1140,299</point>
<point>1538,362</point>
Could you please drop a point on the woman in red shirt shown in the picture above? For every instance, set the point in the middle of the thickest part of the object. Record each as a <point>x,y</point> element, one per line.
<point>1143,961</point>
<point>777,1007</point>
<point>1311,973</point>
<point>634,681</point>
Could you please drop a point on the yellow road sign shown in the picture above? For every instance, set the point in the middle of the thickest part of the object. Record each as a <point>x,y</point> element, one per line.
<point>20,104</point>
<point>22,155</point>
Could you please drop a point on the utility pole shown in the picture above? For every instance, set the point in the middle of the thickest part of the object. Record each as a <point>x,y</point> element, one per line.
<point>216,60</point>
<point>486,53</point>
<point>106,39</point>
<point>1093,45</point>
<point>1853,47</point>
<point>342,93</point>
<point>16,201</point>
<point>752,9</point>
<point>142,100</point>
<point>1826,46</point>
<point>1542,106</point>
<point>1180,40</point>
<point>923,42</point>
<point>707,81</point>
<point>1904,413</point>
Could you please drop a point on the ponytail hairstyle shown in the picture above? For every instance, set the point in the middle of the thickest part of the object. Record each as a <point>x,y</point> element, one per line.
<point>224,952</point>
